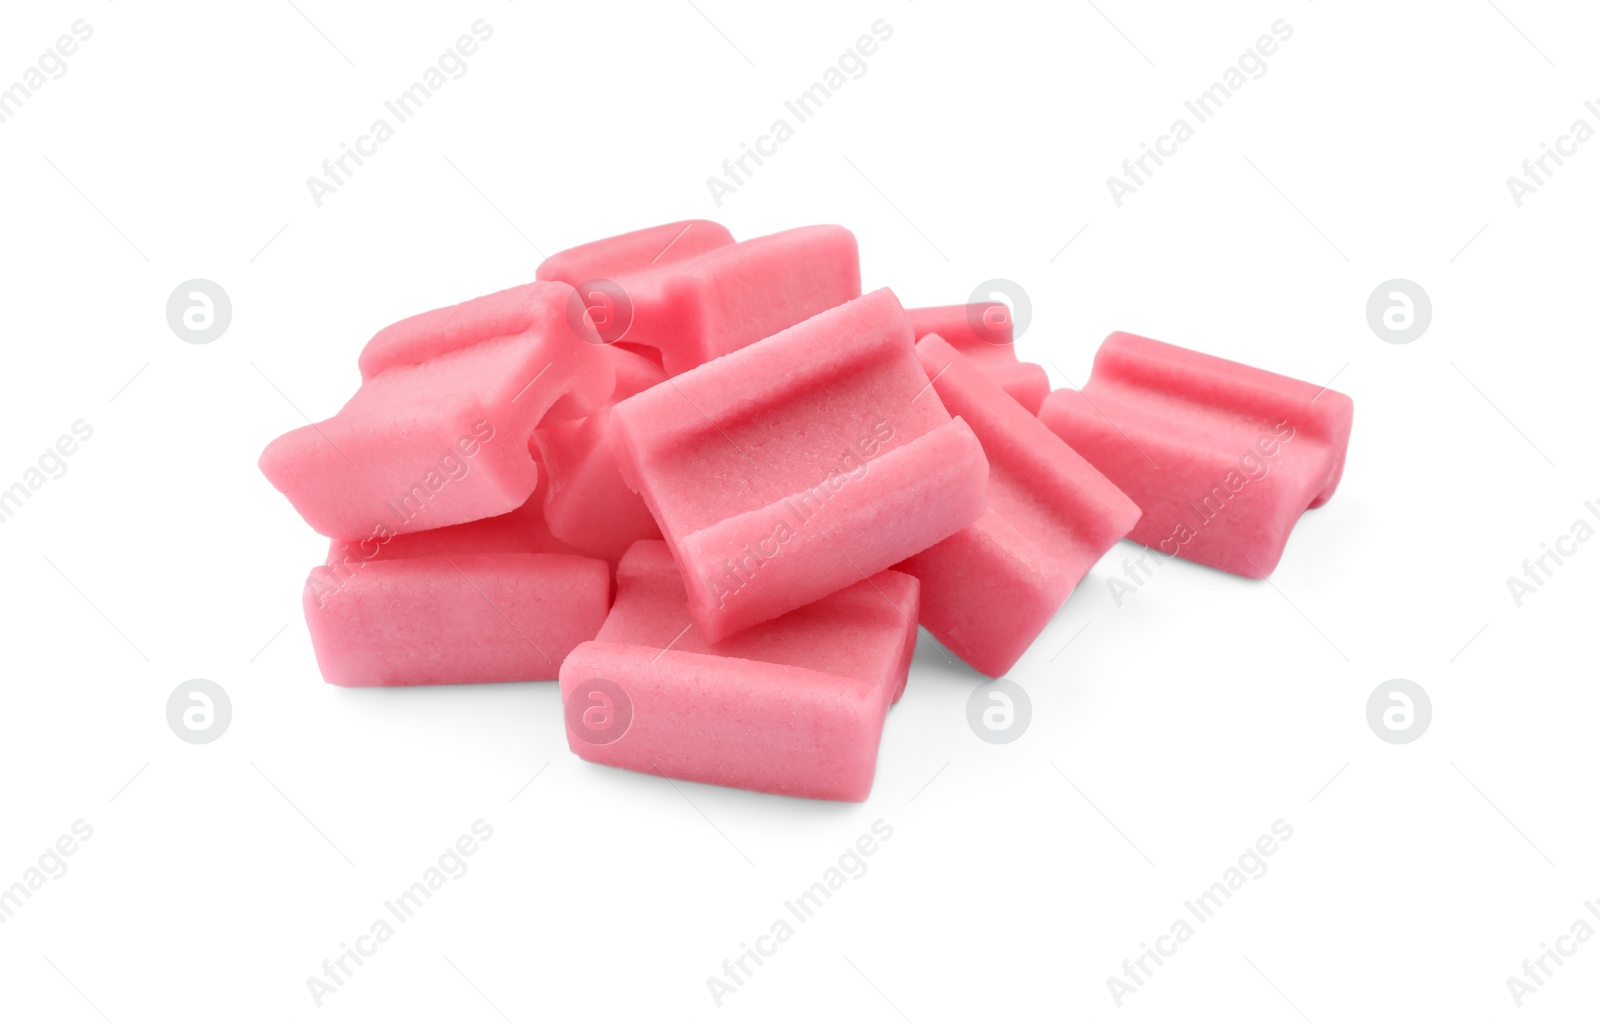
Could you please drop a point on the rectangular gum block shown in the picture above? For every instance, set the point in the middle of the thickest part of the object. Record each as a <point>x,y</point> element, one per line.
<point>464,618</point>
<point>702,718</point>
<point>706,299</point>
<point>1222,457</point>
<point>799,465</point>
<point>793,706</point>
<point>866,631</point>
<point>991,589</point>
<point>634,250</point>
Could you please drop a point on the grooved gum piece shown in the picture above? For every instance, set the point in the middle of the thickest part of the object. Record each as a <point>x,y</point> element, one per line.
<point>696,305</point>
<point>990,590</point>
<point>1222,457</point>
<point>464,618</point>
<point>438,433</point>
<point>799,465</point>
<point>793,706</point>
<point>981,331</point>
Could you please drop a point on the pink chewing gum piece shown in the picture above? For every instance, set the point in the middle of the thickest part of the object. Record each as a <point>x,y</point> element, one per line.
<point>777,729</point>
<point>470,618</point>
<point>799,465</point>
<point>714,302</point>
<point>633,372</point>
<point>539,309</point>
<point>793,706</point>
<point>635,250</point>
<point>521,530</point>
<point>991,589</point>
<point>866,631</point>
<point>588,505</point>
<point>981,331</point>
<point>443,440</point>
<point>1222,457</point>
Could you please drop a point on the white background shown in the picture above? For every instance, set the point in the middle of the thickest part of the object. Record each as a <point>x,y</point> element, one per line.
<point>1172,732</point>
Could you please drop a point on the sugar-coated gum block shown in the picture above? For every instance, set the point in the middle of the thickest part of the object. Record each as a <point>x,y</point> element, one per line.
<point>466,618</point>
<point>982,331</point>
<point>793,706</point>
<point>1223,458</point>
<point>439,433</point>
<point>991,589</point>
<point>715,300</point>
<point>800,464</point>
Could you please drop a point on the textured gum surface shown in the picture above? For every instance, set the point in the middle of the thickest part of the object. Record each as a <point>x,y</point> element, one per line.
<point>982,331</point>
<point>866,631</point>
<point>691,306</point>
<point>443,439</point>
<point>1223,458</point>
<point>587,505</point>
<point>840,661</point>
<point>799,465</point>
<point>703,718</point>
<point>635,250</point>
<point>471,618</point>
<point>991,589</point>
